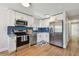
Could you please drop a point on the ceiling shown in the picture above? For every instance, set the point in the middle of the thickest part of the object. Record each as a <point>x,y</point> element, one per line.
<point>39,10</point>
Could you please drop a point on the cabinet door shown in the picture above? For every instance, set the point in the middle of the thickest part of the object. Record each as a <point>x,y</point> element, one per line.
<point>22,17</point>
<point>46,37</point>
<point>26,17</point>
<point>12,44</point>
<point>51,38</point>
<point>19,16</point>
<point>11,18</point>
<point>30,20</point>
<point>39,37</point>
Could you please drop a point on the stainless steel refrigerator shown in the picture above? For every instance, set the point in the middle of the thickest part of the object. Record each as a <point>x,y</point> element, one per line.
<point>56,33</point>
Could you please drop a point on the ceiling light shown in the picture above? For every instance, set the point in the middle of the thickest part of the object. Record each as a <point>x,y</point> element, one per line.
<point>25,4</point>
<point>47,16</point>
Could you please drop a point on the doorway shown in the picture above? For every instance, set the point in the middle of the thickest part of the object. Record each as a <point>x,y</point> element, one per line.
<point>75,35</point>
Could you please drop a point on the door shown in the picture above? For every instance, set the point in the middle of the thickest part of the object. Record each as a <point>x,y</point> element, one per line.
<point>51,35</point>
<point>75,35</point>
<point>74,30</point>
<point>58,33</point>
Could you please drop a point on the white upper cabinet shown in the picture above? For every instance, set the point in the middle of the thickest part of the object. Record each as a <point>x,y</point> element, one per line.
<point>11,18</point>
<point>44,23</point>
<point>20,16</point>
<point>30,20</point>
<point>26,17</point>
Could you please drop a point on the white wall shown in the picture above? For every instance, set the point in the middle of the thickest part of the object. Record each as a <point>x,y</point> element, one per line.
<point>3,29</point>
<point>65,33</point>
<point>7,18</point>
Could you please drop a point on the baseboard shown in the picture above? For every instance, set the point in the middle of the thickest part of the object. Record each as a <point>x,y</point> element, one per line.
<point>3,49</point>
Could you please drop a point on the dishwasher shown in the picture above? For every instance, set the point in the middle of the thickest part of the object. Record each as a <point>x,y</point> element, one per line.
<point>32,39</point>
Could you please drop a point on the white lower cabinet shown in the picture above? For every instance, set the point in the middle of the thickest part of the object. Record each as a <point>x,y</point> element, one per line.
<point>46,37</point>
<point>12,45</point>
<point>39,37</point>
<point>43,36</point>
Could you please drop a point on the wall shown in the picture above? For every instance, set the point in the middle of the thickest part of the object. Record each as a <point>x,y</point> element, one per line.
<point>66,30</point>
<point>3,29</point>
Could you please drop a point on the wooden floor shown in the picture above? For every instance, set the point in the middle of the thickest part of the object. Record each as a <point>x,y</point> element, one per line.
<point>49,50</point>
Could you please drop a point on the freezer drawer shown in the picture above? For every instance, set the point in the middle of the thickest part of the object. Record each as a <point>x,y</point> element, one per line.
<point>56,39</point>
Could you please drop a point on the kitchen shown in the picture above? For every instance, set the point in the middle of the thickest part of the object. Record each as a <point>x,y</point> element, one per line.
<point>23,29</point>
<point>25,33</point>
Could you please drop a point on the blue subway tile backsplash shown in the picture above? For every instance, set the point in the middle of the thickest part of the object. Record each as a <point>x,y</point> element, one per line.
<point>45,29</point>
